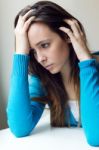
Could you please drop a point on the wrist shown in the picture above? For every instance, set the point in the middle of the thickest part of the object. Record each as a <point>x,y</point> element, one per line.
<point>22,53</point>
<point>85,57</point>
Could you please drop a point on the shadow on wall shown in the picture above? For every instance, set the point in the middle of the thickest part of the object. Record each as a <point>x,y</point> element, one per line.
<point>3,118</point>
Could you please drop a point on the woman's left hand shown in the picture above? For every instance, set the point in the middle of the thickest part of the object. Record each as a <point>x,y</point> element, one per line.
<point>77,39</point>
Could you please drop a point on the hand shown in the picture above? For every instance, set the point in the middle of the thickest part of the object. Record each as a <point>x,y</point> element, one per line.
<point>21,38</point>
<point>77,39</point>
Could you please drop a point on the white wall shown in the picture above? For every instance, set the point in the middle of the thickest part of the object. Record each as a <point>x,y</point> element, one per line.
<point>87,11</point>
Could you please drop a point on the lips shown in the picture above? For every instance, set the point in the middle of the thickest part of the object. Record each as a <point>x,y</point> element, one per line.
<point>48,67</point>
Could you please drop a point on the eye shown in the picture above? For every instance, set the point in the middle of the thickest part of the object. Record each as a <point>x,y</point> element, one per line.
<point>45,45</point>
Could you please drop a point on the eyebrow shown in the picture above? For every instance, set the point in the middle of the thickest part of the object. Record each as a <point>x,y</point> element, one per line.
<point>42,42</point>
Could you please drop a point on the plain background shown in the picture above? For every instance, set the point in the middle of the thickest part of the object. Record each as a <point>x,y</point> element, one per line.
<point>87,11</point>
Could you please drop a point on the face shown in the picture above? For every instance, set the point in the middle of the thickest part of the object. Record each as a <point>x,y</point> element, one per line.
<point>50,50</point>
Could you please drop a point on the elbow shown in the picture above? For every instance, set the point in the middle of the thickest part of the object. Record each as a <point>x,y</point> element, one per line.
<point>18,127</point>
<point>20,132</point>
<point>19,135</point>
<point>93,139</point>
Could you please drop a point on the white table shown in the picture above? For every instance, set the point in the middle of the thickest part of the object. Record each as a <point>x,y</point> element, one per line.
<point>45,138</point>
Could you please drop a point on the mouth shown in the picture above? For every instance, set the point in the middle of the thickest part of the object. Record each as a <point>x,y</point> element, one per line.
<point>49,67</point>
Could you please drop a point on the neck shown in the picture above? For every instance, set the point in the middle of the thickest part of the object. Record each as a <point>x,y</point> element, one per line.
<point>69,86</point>
<point>65,72</point>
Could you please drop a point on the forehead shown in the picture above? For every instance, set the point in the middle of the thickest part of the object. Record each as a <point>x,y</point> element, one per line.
<point>40,31</point>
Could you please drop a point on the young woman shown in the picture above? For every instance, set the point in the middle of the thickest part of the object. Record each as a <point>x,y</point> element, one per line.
<point>52,65</point>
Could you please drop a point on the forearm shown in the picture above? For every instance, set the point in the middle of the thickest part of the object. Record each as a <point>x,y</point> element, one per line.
<point>19,83</point>
<point>21,116</point>
<point>89,100</point>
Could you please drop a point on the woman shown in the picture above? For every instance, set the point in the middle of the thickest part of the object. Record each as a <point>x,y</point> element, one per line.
<point>52,65</point>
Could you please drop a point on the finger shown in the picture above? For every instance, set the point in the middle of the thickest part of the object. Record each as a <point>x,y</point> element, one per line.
<point>20,21</point>
<point>73,27</point>
<point>27,14</point>
<point>27,23</point>
<point>78,26</point>
<point>69,32</point>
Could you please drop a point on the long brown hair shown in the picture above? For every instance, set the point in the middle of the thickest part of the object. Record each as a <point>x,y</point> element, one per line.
<point>53,15</point>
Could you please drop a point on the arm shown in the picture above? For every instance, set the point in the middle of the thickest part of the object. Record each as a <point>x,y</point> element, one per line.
<point>89,100</point>
<point>23,114</point>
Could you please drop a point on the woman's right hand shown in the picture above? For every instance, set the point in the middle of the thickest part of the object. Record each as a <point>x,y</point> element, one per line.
<point>21,38</point>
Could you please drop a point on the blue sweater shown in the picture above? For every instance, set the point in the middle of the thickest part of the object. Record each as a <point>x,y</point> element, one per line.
<point>24,114</point>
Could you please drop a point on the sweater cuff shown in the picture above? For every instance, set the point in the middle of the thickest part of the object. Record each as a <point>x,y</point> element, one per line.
<point>87,63</point>
<point>20,64</point>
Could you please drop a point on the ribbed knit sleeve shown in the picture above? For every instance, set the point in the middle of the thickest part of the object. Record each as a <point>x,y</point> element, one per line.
<point>22,114</point>
<point>89,100</point>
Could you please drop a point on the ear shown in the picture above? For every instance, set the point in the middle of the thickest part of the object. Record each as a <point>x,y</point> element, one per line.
<point>68,40</point>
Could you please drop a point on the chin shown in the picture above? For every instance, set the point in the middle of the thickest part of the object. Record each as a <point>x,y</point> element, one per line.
<point>54,71</point>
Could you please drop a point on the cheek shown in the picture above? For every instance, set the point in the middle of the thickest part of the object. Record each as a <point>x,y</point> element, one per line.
<point>63,51</point>
<point>59,51</point>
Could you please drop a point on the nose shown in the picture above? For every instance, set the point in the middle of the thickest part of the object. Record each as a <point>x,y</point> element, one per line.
<point>41,58</point>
